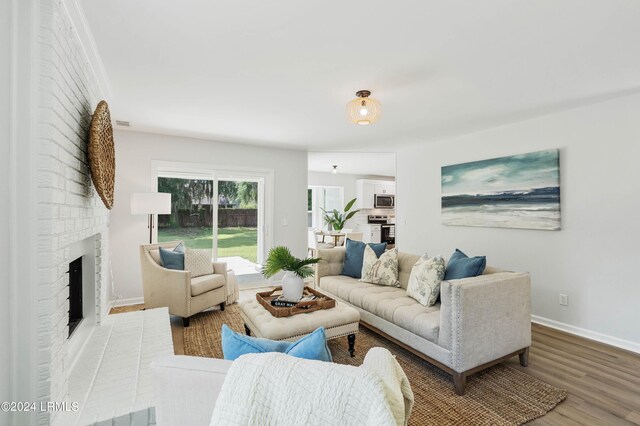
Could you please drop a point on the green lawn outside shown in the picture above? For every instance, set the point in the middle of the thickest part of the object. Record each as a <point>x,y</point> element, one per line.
<point>241,242</point>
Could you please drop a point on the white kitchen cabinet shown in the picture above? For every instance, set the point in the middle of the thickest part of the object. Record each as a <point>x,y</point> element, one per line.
<point>385,188</point>
<point>367,188</point>
<point>365,191</point>
<point>370,233</point>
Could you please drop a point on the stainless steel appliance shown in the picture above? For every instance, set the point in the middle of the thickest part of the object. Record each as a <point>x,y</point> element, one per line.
<point>388,234</point>
<point>379,230</point>
<point>378,219</point>
<point>384,201</point>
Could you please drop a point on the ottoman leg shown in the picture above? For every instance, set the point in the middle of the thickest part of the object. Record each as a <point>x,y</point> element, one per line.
<point>246,330</point>
<point>352,343</point>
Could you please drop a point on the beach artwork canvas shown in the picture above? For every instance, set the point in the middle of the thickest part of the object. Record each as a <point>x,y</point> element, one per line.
<point>519,191</point>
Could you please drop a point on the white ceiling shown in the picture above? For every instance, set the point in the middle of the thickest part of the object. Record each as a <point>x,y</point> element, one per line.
<point>354,163</point>
<point>281,72</point>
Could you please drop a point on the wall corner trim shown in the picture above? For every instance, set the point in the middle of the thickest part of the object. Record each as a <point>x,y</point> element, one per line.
<point>588,334</point>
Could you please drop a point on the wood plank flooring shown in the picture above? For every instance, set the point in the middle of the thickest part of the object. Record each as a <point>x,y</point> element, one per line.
<point>603,382</point>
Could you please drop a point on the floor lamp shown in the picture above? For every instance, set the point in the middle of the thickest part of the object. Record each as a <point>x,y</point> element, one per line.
<point>150,203</point>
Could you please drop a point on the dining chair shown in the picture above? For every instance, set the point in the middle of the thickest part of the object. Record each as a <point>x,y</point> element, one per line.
<point>353,236</point>
<point>314,243</point>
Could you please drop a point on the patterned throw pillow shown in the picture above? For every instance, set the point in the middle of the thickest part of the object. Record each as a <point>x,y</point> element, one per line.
<point>383,270</point>
<point>198,261</point>
<point>424,281</point>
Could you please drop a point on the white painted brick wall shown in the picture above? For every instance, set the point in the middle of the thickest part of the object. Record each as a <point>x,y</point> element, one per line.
<point>69,210</point>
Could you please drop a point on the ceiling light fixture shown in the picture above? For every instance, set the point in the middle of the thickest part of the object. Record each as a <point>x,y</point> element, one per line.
<point>363,110</point>
<point>335,169</point>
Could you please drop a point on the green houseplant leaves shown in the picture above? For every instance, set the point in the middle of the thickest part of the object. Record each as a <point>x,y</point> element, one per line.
<point>336,219</point>
<point>281,259</point>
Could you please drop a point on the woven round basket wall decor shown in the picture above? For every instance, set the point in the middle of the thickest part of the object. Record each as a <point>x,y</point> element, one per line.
<point>102,154</point>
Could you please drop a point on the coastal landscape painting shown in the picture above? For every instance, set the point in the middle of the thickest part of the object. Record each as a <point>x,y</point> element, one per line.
<point>519,191</point>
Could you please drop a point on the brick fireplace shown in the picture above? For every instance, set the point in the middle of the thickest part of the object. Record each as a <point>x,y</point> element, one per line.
<point>72,221</point>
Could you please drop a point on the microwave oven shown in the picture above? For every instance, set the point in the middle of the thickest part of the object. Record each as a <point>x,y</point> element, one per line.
<point>384,201</point>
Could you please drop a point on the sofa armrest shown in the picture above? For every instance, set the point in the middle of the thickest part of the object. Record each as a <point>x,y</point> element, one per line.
<point>331,261</point>
<point>220,268</point>
<point>186,389</point>
<point>485,318</point>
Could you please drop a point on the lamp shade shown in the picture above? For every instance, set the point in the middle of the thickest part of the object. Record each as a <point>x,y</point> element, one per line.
<point>150,203</point>
<point>363,110</point>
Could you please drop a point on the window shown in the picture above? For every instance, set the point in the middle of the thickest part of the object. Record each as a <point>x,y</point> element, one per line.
<point>323,197</point>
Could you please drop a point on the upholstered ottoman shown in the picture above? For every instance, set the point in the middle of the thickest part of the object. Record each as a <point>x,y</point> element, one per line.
<point>340,321</point>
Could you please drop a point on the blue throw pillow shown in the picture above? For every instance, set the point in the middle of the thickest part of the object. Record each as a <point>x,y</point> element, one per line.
<point>462,266</point>
<point>173,259</point>
<point>313,346</point>
<point>354,256</point>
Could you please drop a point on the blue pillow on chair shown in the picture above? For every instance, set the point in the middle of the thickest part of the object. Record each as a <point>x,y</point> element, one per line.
<point>173,259</point>
<point>312,346</point>
<point>354,256</point>
<point>462,266</point>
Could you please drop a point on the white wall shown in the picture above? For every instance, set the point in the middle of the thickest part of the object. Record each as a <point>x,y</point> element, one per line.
<point>346,181</point>
<point>5,177</point>
<point>594,258</point>
<point>134,153</point>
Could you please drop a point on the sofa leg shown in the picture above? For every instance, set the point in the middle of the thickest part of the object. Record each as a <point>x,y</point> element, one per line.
<point>222,306</point>
<point>524,357</point>
<point>459,382</point>
<point>352,343</point>
<point>185,322</point>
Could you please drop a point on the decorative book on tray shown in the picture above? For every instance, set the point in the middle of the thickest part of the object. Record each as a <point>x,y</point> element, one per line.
<point>312,300</point>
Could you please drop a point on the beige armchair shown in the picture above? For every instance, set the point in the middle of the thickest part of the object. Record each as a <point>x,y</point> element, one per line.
<point>183,295</point>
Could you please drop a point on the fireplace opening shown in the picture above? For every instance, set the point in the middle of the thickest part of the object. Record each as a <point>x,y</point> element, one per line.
<point>75,294</point>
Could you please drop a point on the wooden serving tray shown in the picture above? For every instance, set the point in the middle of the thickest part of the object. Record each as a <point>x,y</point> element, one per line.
<point>322,302</point>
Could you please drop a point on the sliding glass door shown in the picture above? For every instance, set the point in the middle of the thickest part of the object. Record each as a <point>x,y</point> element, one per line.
<point>237,231</point>
<point>191,218</point>
<point>221,210</point>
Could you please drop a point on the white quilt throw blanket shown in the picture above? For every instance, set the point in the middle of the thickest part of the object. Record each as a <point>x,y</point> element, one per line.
<point>278,389</point>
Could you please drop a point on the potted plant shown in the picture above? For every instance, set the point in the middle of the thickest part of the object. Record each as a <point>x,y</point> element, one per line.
<point>296,270</point>
<point>337,220</point>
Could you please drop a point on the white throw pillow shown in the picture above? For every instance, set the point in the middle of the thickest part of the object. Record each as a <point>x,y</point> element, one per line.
<point>198,261</point>
<point>383,270</point>
<point>424,281</point>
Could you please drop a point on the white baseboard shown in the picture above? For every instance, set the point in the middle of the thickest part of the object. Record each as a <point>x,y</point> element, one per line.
<point>588,334</point>
<point>126,302</point>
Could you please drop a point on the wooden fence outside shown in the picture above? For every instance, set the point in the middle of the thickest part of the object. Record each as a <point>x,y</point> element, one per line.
<point>227,218</point>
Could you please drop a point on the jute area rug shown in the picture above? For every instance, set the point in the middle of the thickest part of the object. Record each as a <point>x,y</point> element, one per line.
<point>498,396</point>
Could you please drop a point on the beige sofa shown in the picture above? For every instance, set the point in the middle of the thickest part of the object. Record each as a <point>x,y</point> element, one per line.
<point>185,296</point>
<point>478,322</point>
